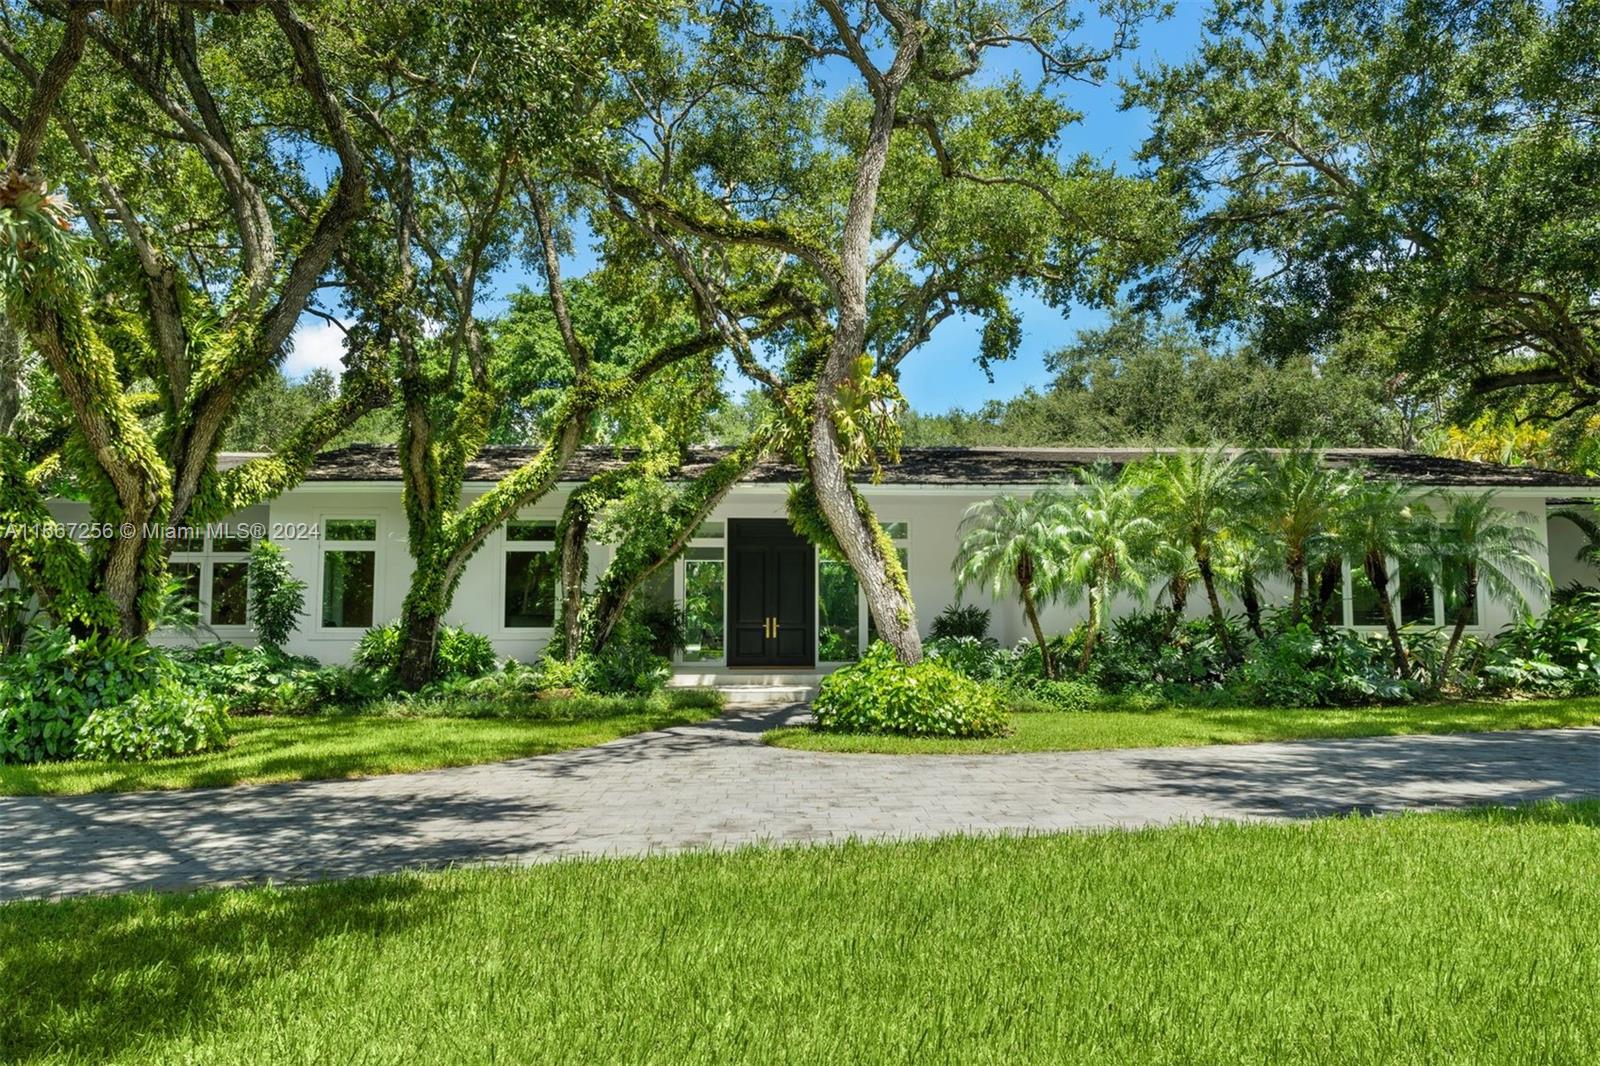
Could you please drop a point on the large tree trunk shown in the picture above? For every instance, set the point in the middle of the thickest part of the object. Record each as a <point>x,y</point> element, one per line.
<point>1378,575</point>
<point>1031,610</point>
<point>419,646</point>
<point>854,528</point>
<point>572,544</point>
<point>574,550</point>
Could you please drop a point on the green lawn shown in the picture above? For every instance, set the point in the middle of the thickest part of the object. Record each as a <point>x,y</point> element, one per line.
<point>1471,937</point>
<point>1185,726</point>
<point>388,741</point>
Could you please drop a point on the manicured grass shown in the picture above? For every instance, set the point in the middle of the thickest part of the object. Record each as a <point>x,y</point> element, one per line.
<point>1186,726</point>
<point>1471,937</point>
<point>388,740</point>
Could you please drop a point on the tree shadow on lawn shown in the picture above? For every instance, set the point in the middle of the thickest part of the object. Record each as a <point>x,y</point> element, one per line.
<point>1314,779</point>
<point>92,979</point>
<point>98,843</point>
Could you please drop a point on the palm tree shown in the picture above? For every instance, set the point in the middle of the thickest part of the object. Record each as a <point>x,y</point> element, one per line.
<point>1174,562</point>
<point>1010,543</point>
<point>1477,545</point>
<point>1296,500</point>
<point>1107,539</point>
<point>1376,524</point>
<point>1194,498</point>
<point>1587,519</point>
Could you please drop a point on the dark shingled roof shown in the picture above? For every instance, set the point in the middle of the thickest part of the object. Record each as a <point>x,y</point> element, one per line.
<point>954,466</point>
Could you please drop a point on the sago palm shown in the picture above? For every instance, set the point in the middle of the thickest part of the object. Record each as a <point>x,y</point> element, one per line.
<point>1477,545</point>
<point>1108,545</point>
<point>1194,497</point>
<point>1012,544</point>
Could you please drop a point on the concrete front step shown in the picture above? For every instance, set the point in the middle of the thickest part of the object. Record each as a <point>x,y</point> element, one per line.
<point>752,688</point>
<point>766,695</point>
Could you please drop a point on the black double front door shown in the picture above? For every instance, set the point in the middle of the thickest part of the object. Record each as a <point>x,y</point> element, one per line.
<point>772,592</point>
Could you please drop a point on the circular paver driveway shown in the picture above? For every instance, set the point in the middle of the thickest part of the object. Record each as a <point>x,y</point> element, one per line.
<point>716,784</point>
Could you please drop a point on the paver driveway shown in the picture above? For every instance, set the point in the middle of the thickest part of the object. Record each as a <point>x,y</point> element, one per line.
<point>716,784</point>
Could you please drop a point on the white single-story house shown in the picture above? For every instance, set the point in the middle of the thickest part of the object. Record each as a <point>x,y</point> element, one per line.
<point>344,533</point>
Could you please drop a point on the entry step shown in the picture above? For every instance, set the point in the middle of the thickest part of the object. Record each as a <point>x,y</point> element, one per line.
<point>766,695</point>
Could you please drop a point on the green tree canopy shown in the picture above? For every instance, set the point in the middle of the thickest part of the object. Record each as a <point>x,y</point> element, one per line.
<point>1146,380</point>
<point>932,185</point>
<point>159,241</point>
<point>1415,176</point>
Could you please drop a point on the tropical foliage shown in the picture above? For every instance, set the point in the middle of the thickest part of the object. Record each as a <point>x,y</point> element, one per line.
<point>1223,518</point>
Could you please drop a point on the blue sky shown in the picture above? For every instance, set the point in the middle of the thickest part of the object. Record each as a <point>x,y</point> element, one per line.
<point>942,374</point>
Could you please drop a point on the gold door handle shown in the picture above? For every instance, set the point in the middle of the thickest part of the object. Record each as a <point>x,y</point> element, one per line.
<point>769,628</point>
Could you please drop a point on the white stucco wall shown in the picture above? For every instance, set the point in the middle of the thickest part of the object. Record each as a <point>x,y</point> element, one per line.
<point>933,516</point>
<point>1565,540</point>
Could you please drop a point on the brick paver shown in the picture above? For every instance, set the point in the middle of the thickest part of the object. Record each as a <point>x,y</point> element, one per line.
<point>716,785</point>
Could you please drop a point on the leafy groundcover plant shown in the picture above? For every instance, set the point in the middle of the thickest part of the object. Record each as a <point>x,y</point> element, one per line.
<point>880,694</point>
<point>460,652</point>
<point>63,696</point>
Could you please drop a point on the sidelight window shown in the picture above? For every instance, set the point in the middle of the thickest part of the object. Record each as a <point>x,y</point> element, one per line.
<point>704,585</point>
<point>838,613</point>
<point>842,614</point>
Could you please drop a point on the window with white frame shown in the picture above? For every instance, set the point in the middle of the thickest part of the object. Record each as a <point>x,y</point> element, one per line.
<point>349,572</point>
<point>842,614</point>
<point>213,569</point>
<point>1414,595</point>
<point>705,581</point>
<point>530,574</point>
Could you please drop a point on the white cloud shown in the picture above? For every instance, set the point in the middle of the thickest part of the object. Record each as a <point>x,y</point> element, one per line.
<point>314,343</point>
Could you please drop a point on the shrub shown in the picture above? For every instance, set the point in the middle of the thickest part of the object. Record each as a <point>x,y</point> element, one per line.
<point>99,696</point>
<point>51,687</point>
<point>980,660</point>
<point>517,692</point>
<point>1300,667</point>
<point>244,680</point>
<point>957,621</point>
<point>1151,647</point>
<point>166,720</point>
<point>622,669</point>
<point>277,597</point>
<point>1557,654</point>
<point>457,652</point>
<point>1025,664</point>
<point>880,694</point>
<point>628,665</point>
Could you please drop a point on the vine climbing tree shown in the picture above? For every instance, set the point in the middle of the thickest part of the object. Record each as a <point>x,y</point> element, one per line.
<point>174,283</point>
